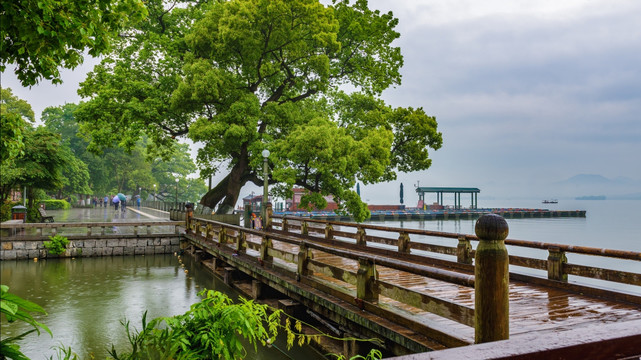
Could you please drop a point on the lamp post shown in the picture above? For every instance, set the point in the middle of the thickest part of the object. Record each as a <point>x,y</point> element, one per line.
<point>176,192</point>
<point>263,207</point>
<point>154,195</point>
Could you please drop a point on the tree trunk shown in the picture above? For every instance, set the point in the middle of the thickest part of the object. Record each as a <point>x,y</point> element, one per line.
<point>226,192</point>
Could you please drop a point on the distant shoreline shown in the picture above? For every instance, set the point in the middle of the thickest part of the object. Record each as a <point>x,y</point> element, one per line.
<point>591,197</point>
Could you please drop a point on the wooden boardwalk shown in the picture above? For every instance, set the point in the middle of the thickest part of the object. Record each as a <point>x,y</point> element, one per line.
<point>532,307</point>
<point>430,299</point>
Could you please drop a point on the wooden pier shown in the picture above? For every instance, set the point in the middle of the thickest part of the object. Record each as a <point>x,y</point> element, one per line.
<point>380,282</point>
<point>448,214</point>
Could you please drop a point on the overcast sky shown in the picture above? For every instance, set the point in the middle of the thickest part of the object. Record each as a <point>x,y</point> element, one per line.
<point>526,93</point>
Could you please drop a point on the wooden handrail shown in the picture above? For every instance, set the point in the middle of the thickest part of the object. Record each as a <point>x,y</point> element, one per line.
<point>586,250</point>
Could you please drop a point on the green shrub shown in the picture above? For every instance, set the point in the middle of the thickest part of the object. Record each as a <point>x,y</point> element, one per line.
<point>57,245</point>
<point>33,215</point>
<point>5,210</point>
<point>56,204</point>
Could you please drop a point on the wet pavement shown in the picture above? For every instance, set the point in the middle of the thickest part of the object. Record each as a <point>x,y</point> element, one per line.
<point>108,214</point>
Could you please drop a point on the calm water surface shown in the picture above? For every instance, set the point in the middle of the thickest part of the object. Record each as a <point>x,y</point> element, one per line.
<point>86,299</point>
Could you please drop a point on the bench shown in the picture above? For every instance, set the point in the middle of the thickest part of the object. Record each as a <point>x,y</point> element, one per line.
<point>44,217</point>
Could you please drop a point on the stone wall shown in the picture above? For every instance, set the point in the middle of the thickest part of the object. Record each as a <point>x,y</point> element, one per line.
<point>86,246</point>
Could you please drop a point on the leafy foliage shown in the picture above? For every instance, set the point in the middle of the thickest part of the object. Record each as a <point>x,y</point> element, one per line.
<point>209,330</point>
<point>115,169</point>
<point>56,204</point>
<point>57,245</point>
<point>41,36</point>
<point>15,118</point>
<point>241,76</point>
<point>15,308</point>
<point>212,329</point>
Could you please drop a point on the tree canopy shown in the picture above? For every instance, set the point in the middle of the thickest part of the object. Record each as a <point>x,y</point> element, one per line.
<point>241,76</point>
<point>40,36</point>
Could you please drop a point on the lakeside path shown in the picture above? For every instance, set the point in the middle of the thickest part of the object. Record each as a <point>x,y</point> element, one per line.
<point>108,214</point>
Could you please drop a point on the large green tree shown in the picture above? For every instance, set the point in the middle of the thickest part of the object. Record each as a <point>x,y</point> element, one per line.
<point>16,115</point>
<point>117,170</point>
<point>41,36</point>
<point>241,76</point>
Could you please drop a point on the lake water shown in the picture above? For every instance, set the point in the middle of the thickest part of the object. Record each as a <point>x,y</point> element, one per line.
<point>87,298</point>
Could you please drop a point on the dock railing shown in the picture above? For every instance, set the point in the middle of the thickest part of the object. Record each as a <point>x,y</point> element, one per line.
<point>293,245</point>
<point>554,261</point>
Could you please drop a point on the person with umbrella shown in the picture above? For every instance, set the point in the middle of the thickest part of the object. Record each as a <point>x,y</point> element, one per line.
<point>123,200</point>
<point>116,202</point>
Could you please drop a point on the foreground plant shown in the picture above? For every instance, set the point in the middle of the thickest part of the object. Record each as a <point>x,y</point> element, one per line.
<point>15,308</point>
<point>57,245</point>
<point>212,329</point>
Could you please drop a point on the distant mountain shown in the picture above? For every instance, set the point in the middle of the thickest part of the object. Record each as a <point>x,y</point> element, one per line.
<point>586,179</point>
<point>635,196</point>
<point>584,184</point>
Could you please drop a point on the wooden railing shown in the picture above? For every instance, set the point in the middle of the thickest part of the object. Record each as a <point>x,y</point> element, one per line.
<point>289,244</point>
<point>11,231</point>
<point>556,264</point>
<point>293,256</point>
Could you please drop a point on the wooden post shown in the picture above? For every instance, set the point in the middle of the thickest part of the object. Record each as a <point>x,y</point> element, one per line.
<point>148,229</point>
<point>240,242</point>
<point>189,214</point>
<point>135,229</point>
<point>491,298</point>
<point>404,243</point>
<point>285,225</point>
<point>303,228</point>
<point>222,236</point>
<point>267,224</point>
<point>88,230</point>
<point>365,277</point>
<point>265,245</point>
<point>329,231</point>
<point>361,238</point>
<point>304,254</point>
<point>556,260</point>
<point>208,232</point>
<point>464,250</point>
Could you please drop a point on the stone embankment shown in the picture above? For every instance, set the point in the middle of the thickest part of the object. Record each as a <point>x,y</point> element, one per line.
<point>18,249</point>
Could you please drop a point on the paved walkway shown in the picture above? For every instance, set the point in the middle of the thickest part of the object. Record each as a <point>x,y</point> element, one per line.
<point>107,214</point>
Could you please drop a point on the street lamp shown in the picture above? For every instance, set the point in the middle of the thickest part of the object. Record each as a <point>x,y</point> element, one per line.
<point>154,195</point>
<point>263,207</point>
<point>176,192</point>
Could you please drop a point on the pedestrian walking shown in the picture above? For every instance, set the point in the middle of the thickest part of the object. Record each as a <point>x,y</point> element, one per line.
<point>116,202</point>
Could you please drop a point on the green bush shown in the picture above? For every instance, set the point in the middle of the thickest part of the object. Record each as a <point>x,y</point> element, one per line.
<point>33,215</point>
<point>57,245</point>
<point>56,204</point>
<point>5,211</point>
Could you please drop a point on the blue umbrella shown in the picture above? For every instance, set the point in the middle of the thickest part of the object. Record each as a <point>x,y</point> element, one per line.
<point>121,196</point>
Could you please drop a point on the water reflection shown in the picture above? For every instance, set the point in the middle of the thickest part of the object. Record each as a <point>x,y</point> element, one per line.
<point>87,298</point>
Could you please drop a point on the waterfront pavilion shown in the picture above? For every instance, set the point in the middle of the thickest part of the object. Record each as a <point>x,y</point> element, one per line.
<point>457,191</point>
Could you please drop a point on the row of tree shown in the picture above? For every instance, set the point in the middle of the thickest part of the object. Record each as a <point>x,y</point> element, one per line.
<point>55,158</point>
<point>300,78</point>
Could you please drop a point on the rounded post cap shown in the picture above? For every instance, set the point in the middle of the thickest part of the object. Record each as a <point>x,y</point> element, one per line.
<point>491,227</point>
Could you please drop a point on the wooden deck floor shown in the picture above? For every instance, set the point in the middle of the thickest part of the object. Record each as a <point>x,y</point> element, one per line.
<point>533,308</point>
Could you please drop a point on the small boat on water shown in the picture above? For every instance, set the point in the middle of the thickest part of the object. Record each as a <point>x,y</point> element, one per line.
<point>551,201</point>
